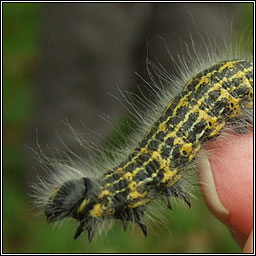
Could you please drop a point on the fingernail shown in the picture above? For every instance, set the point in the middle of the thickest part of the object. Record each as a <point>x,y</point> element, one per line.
<point>208,189</point>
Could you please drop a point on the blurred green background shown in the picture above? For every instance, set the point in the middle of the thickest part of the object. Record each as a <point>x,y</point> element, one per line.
<point>186,231</point>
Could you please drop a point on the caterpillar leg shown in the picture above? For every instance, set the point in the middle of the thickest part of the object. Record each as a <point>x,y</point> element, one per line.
<point>79,230</point>
<point>88,225</point>
<point>134,215</point>
<point>176,191</point>
<point>138,213</point>
<point>167,201</point>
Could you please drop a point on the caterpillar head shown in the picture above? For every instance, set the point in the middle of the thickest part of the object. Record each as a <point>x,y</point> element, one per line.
<point>66,199</point>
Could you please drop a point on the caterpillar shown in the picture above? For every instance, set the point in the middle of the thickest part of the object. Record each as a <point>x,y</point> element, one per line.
<point>214,98</point>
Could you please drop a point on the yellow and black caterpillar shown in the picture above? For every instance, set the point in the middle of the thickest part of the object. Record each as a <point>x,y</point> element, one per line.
<point>219,96</point>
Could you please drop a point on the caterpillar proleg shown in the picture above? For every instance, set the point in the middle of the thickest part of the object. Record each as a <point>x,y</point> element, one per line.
<point>217,93</point>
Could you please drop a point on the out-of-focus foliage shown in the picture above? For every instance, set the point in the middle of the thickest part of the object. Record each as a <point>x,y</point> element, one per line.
<point>188,230</point>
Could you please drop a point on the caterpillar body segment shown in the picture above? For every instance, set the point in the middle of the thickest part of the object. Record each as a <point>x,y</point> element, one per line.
<point>219,96</point>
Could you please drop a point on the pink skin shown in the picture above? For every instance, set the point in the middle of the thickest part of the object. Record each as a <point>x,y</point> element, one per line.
<point>232,170</point>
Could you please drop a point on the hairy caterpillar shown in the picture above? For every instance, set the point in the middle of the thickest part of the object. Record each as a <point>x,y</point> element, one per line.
<point>215,97</point>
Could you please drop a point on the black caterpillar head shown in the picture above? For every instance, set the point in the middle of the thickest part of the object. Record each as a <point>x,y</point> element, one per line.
<point>66,199</point>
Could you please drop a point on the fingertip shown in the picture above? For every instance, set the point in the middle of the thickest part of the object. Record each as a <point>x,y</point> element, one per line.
<point>226,181</point>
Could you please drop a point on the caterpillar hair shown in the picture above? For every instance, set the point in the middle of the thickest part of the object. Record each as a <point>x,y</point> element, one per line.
<point>213,93</point>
